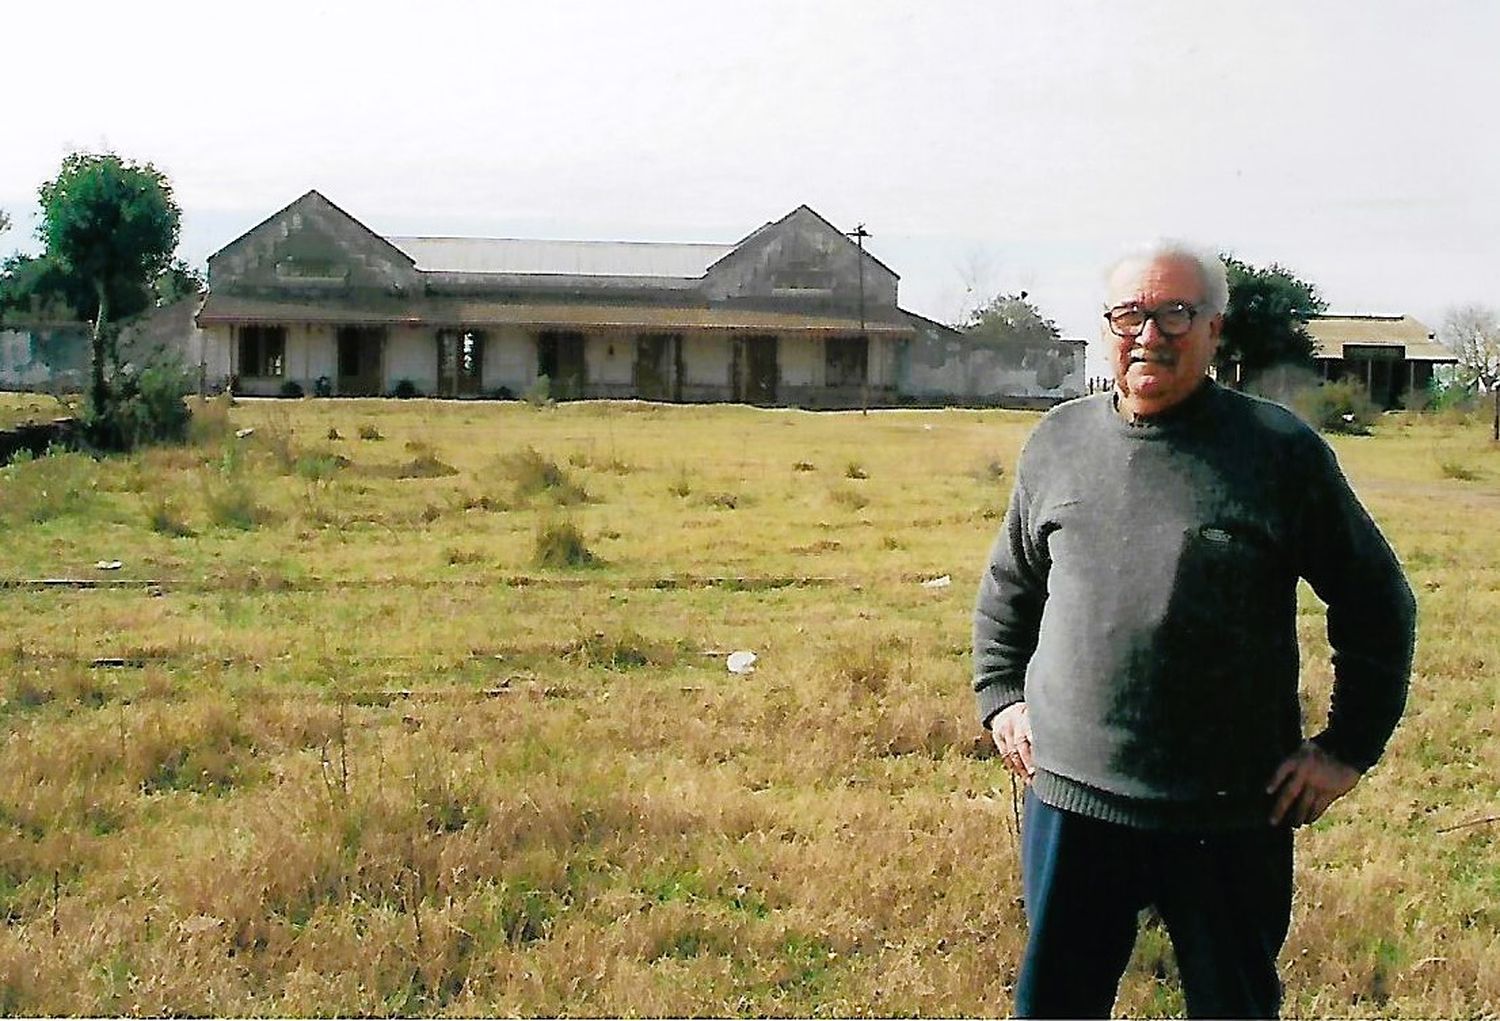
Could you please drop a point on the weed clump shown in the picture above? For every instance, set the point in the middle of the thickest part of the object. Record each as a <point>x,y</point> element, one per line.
<point>625,650</point>
<point>1452,469</point>
<point>229,495</point>
<point>38,489</point>
<point>165,519</point>
<point>855,470</point>
<point>850,498</point>
<point>537,475</point>
<point>560,544</point>
<point>367,431</point>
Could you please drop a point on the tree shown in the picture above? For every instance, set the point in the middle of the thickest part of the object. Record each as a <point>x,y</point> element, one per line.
<point>4,221</point>
<point>1265,324</point>
<point>110,225</point>
<point>1010,320</point>
<point>1472,333</point>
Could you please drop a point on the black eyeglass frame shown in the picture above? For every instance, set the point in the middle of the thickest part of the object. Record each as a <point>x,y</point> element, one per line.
<point>1150,314</point>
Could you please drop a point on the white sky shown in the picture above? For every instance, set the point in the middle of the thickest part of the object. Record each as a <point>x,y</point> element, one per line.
<point>1016,145</point>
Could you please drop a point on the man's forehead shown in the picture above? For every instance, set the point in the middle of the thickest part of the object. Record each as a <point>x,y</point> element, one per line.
<point>1165,278</point>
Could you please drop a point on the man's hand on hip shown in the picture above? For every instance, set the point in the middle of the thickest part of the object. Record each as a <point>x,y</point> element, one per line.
<point>1011,730</point>
<point>1305,784</point>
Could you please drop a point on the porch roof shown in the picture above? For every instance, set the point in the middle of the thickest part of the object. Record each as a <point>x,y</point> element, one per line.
<point>221,309</point>
<point>1330,334</point>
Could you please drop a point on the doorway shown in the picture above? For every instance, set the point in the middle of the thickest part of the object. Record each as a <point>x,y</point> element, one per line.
<point>360,350</point>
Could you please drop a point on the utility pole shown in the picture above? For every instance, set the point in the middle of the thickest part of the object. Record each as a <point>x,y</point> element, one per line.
<point>859,234</point>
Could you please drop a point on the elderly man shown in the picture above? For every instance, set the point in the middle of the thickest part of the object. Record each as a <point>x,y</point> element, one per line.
<point>1135,656</point>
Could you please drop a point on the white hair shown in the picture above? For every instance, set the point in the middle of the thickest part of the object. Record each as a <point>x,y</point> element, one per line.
<point>1210,267</point>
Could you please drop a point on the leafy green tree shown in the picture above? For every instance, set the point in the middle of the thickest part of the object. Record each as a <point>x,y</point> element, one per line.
<point>111,225</point>
<point>1265,324</point>
<point>177,281</point>
<point>1010,320</point>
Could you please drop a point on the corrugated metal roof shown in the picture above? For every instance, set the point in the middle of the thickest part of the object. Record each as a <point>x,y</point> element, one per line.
<point>222,308</point>
<point>565,258</point>
<point>1331,333</point>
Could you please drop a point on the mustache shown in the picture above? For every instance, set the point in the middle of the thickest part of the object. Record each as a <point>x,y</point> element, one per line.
<point>1157,357</point>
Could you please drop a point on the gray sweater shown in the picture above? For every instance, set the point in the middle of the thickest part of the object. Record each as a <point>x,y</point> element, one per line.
<point>1141,597</point>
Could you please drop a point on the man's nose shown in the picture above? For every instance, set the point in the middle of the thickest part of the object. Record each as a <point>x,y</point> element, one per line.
<point>1151,335</point>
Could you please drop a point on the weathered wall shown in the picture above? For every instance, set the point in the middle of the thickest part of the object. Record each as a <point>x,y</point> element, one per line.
<point>44,357</point>
<point>509,359</point>
<point>934,368</point>
<point>410,354</point>
<point>804,242</point>
<point>311,247</point>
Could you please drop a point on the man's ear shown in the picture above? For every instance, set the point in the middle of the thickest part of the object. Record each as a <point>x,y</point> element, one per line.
<point>1216,326</point>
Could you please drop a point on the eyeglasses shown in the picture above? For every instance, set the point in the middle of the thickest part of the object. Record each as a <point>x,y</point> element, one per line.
<point>1172,319</point>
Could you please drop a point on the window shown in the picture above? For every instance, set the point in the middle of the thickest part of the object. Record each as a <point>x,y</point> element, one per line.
<point>845,361</point>
<point>262,351</point>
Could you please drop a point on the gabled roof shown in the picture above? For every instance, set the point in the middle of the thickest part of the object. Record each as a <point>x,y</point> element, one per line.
<point>1331,332</point>
<point>810,211</point>
<point>312,196</point>
<point>566,258</point>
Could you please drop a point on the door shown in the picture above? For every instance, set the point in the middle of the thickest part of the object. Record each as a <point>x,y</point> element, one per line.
<point>359,357</point>
<point>654,357</point>
<point>559,357</point>
<point>755,370</point>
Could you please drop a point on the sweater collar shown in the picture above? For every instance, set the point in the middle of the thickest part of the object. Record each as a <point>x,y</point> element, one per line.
<point>1184,411</point>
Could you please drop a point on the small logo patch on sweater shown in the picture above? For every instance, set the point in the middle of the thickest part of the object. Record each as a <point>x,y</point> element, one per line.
<point>1217,535</point>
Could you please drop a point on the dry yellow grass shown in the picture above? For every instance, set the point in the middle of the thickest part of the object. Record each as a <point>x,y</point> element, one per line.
<point>363,755</point>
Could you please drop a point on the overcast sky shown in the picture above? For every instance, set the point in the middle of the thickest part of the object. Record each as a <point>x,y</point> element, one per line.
<point>1006,145</point>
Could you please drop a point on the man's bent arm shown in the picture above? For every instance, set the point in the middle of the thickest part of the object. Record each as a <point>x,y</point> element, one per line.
<point>1371,616</point>
<point>1008,611</point>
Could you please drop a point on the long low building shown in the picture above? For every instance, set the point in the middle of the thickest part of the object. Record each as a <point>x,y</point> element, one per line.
<point>1390,355</point>
<point>794,313</point>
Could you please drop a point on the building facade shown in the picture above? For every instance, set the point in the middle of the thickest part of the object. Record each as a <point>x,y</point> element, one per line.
<point>1392,356</point>
<point>795,313</point>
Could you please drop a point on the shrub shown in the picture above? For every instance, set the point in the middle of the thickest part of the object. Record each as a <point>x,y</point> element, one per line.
<point>405,389</point>
<point>291,388</point>
<point>369,432</point>
<point>1342,407</point>
<point>539,393</point>
<point>560,544</point>
<point>535,475</point>
<point>141,408</point>
<point>322,387</point>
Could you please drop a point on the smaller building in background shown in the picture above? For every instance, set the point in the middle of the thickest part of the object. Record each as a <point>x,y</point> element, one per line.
<point>1392,356</point>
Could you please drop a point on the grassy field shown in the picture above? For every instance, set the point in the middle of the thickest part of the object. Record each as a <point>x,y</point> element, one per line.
<point>422,708</point>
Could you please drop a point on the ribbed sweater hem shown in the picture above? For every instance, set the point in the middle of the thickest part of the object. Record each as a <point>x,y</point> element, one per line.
<point>1222,813</point>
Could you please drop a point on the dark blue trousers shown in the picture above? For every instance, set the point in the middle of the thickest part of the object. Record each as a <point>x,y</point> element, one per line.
<point>1226,899</point>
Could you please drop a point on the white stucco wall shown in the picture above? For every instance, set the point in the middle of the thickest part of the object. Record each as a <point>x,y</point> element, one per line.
<point>509,359</point>
<point>705,359</point>
<point>801,359</point>
<point>609,357</point>
<point>411,353</point>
